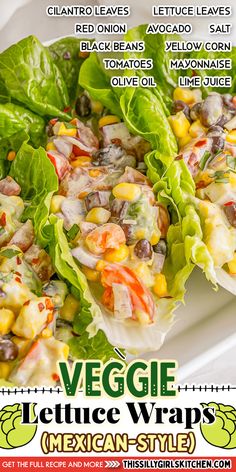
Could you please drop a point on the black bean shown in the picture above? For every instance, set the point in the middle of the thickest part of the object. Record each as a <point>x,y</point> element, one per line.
<point>67,55</point>
<point>161,247</point>
<point>211,110</point>
<point>49,130</point>
<point>83,106</point>
<point>143,249</point>
<point>230,212</point>
<point>8,350</point>
<point>119,208</point>
<point>129,235</point>
<point>222,120</point>
<point>195,111</point>
<point>218,144</point>
<point>215,130</point>
<point>179,105</point>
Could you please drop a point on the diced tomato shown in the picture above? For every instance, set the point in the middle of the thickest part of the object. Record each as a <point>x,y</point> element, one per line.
<point>3,219</point>
<point>55,377</point>
<point>201,143</point>
<point>229,203</point>
<point>53,121</point>
<point>41,306</point>
<point>140,296</point>
<point>60,163</point>
<point>234,101</point>
<point>77,151</point>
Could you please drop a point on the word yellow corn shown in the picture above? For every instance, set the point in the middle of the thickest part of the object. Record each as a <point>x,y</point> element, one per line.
<point>70,308</point>
<point>108,120</point>
<point>231,137</point>
<point>7,319</point>
<point>91,274</point>
<point>160,286</point>
<point>56,203</point>
<point>179,124</point>
<point>127,191</point>
<point>98,216</point>
<point>117,255</point>
<point>82,161</point>
<point>232,265</point>
<point>63,131</point>
<point>197,129</point>
<point>184,94</point>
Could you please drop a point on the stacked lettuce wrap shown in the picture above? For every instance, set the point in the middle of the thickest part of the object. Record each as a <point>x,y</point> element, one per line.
<point>106,187</point>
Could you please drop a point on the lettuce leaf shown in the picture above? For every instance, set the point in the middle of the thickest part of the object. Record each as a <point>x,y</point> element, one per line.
<point>94,79</point>
<point>37,178</point>
<point>13,143</point>
<point>65,54</point>
<point>166,78</point>
<point>14,118</point>
<point>144,115</point>
<point>176,189</point>
<point>91,342</point>
<point>30,77</point>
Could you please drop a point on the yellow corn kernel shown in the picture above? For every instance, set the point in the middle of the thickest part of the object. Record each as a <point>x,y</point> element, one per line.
<point>184,94</point>
<point>232,180</point>
<point>63,131</point>
<point>50,146</point>
<point>83,54</point>
<point>140,233</point>
<point>197,129</point>
<point>46,333</point>
<point>100,265</point>
<point>160,286</point>
<point>94,173</point>
<point>11,156</point>
<point>98,215</point>
<point>56,202</point>
<point>108,120</point>
<point>127,191</point>
<point>231,137</point>
<point>205,178</point>
<point>66,351</point>
<point>82,161</point>
<point>184,140</point>
<point>5,369</point>
<point>7,319</point>
<point>91,274</point>
<point>232,265</point>
<point>70,308</point>
<point>117,255</point>
<point>96,106</point>
<point>22,344</point>
<point>179,124</point>
<point>155,237</point>
<point>142,317</point>
<point>143,272</point>
<point>204,208</point>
